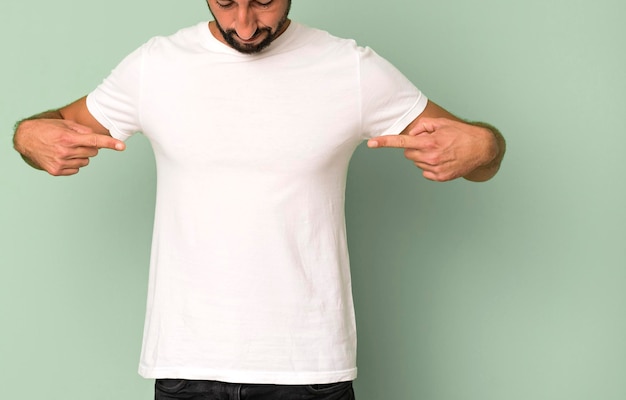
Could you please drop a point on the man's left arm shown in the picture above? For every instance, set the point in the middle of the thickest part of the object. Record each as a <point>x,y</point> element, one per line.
<point>445,147</point>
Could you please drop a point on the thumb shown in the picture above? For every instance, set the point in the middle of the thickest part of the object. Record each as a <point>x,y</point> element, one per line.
<point>424,125</point>
<point>76,127</point>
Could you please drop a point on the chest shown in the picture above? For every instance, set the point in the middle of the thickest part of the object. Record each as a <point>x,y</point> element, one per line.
<point>278,116</point>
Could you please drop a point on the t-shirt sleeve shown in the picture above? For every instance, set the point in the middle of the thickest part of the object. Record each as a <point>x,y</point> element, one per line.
<point>389,101</point>
<point>115,102</point>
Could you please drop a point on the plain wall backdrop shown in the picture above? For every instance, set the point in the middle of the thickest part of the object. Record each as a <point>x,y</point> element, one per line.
<point>509,290</point>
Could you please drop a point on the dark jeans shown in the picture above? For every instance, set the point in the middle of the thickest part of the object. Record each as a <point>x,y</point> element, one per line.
<point>181,389</point>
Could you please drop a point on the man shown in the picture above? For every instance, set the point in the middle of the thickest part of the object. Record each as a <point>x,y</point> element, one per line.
<point>253,119</point>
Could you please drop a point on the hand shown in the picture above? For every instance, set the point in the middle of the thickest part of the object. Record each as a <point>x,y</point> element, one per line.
<point>445,149</point>
<point>60,147</point>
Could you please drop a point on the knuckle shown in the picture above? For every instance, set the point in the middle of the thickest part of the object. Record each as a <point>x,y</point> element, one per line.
<point>433,145</point>
<point>62,152</point>
<point>434,177</point>
<point>439,174</point>
<point>65,139</point>
<point>445,176</point>
<point>432,159</point>
<point>55,171</point>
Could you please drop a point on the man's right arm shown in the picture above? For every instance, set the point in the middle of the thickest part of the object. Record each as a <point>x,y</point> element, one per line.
<point>61,141</point>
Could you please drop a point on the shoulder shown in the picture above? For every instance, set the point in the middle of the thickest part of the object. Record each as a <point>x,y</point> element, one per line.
<point>189,39</point>
<point>321,41</point>
<point>321,36</point>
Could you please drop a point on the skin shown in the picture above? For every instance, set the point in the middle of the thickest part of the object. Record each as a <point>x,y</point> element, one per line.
<point>248,26</point>
<point>443,146</point>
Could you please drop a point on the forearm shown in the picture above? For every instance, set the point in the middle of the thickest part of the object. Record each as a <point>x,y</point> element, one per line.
<point>488,170</point>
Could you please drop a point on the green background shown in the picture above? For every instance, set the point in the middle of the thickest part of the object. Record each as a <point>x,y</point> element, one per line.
<point>512,289</point>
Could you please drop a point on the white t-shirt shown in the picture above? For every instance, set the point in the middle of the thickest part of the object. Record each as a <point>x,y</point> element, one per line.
<point>249,278</point>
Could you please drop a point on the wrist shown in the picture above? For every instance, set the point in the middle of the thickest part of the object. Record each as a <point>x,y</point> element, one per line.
<point>495,154</point>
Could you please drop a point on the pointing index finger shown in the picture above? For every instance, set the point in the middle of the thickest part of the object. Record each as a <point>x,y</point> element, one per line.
<point>100,142</point>
<point>397,141</point>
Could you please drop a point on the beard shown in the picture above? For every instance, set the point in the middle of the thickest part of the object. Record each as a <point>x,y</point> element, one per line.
<point>247,48</point>
<point>230,35</point>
